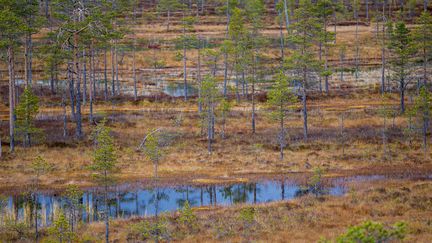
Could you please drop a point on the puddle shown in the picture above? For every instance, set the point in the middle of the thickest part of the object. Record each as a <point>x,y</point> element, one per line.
<point>129,200</point>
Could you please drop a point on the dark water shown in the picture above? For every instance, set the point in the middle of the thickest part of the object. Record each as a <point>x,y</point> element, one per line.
<point>125,202</point>
<point>177,90</point>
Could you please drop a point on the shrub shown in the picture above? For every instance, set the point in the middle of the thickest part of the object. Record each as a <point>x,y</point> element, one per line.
<point>371,232</point>
<point>13,230</point>
<point>247,215</point>
<point>187,217</point>
<point>146,230</point>
<point>60,229</point>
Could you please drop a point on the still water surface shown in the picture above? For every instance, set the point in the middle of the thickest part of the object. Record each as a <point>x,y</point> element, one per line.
<point>127,200</point>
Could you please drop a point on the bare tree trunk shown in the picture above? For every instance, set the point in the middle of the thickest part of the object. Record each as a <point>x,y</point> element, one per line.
<point>117,68</point>
<point>253,95</point>
<point>287,23</point>
<point>243,84</point>
<point>84,71</point>
<point>113,92</point>
<point>383,56</point>
<point>134,72</point>
<point>282,44</point>
<point>96,73</point>
<point>30,60</point>
<point>326,77</point>
<point>11,69</point>
<point>26,66</point>
<point>184,65</point>
<point>402,95</point>
<point>64,116</point>
<point>71,89</point>
<point>212,120</point>
<point>199,77</point>
<point>105,76</point>
<point>225,91</point>
<point>92,80</point>
<point>237,87</point>
<point>226,52</point>
<point>78,118</point>
<point>367,9</point>
<point>357,48</point>
<point>133,57</point>
<point>305,115</point>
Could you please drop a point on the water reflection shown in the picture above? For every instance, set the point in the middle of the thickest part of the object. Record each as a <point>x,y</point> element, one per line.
<point>129,200</point>
<point>141,202</point>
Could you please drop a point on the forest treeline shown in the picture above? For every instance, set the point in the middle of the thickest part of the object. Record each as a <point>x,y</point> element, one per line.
<point>78,47</point>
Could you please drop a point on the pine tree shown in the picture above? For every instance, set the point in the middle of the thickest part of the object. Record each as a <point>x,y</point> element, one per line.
<point>255,10</point>
<point>53,57</point>
<point>73,196</point>
<point>60,229</point>
<point>238,37</point>
<point>25,113</point>
<point>385,112</point>
<point>280,98</point>
<point>224,108</point>
<point>302,62</point>
<point>169,6</point>
<point>153,150</point>
<point>209,98</point>
<point>186,41</point>
<point>12,28</point>
<point>422,38</point>
<point>325,9</point>
<point>29,12</point>
<point>104,164</point>
<point>422,110</point>
<point>401,49</point>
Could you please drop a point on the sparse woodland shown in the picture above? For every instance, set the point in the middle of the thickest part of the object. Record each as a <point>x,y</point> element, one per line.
<point>182,120</point>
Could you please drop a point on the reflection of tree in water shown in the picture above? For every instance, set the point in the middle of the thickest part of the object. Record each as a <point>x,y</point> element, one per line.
<point>98,211</point>
<point>185,197</point>
<point>211,190</point>
<point>132,198</point>
<point>22,208</point>
<point>252,188</point>
<point>158,195</point>
<point>282,183</point>
<point>226,192</point>
<point>121,198</point>
<point>239,193</point>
